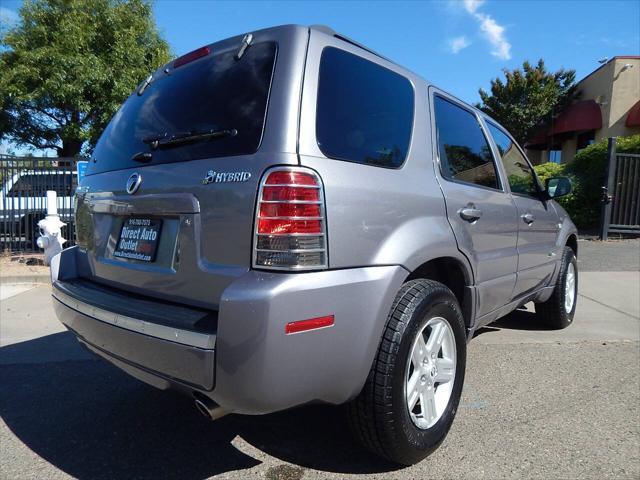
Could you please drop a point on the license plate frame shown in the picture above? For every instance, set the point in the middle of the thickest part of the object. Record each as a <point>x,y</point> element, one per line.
<point>141,239</point>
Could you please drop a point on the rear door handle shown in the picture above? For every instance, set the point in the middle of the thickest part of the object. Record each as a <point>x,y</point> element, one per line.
<point>528,218</point>
<point>470,213</point>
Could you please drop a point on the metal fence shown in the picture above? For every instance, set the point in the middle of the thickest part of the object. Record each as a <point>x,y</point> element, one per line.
<point>23,199</point>
<point>621,208</point>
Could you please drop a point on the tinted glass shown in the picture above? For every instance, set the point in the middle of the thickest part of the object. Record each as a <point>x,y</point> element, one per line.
<point>519,174</point>
<point>37,185</point>
<point>465,155</point>
<point>216,92</point>
<point>364,112</point>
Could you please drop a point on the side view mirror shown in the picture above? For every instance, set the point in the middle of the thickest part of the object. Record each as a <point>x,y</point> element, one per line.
<point>558,187</point>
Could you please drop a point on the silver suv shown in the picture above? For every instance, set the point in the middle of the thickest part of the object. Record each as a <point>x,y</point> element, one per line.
<point>286,217</point>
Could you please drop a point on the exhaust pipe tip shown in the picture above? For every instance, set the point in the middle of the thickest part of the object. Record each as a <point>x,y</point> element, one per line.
<point>203,409</point>
<point>208,407</point>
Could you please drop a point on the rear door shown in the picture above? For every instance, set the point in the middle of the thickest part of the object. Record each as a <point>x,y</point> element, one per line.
<point>480,210</point>
<point>167,206</point>
<point>538,221</point>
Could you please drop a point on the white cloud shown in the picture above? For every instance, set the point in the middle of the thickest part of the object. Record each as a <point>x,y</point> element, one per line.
<point>458,43</point>
<point>472,5</point>
<point>8,18</point>
<point>492,30</point>
<point>495,34</point>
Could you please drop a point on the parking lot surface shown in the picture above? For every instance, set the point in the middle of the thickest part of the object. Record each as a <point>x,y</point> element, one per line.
<point>537,403</point>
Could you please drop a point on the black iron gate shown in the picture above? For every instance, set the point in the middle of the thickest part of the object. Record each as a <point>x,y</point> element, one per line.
<point>23,199</point>
<point>621,194</point>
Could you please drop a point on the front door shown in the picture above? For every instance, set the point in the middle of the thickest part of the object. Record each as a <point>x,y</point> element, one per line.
<point>480,210</point>
<point>538,221</point>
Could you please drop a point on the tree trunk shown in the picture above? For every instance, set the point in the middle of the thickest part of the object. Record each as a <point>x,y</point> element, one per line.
<point>70,148</point>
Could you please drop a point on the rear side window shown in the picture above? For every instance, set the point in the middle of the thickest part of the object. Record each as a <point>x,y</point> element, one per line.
<point>30,185</point>
<point>520,175</point>
<point>465,155</point>
<point>214,93</point>
<point>364,111</point>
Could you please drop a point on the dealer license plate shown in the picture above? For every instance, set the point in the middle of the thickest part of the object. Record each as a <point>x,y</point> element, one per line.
<point>139,239</point>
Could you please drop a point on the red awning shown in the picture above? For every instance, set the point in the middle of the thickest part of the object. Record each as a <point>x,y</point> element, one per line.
<point>539,140</point>
<point>579,116</point>
<point>633,118</point>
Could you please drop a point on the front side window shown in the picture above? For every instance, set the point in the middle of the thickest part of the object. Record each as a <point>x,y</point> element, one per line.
<point>465,155</point>
<point>364,111</point>
<point>520,175</point>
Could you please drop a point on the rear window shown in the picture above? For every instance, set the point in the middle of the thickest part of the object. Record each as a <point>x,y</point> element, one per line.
<point>213,93</point>
<point>364,112</point>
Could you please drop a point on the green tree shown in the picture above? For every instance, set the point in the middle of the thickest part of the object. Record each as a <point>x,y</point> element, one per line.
<point>67,66</point>
<point>528,98</point>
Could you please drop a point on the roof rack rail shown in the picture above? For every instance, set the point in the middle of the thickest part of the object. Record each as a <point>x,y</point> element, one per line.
<point>331,32</point>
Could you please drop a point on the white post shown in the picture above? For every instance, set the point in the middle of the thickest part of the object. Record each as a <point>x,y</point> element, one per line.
<point>50,238</point>
<point>52,203</point>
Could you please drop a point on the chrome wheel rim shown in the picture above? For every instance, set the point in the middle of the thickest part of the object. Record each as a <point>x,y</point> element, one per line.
<point>570,288</point>
<point>430,373</point>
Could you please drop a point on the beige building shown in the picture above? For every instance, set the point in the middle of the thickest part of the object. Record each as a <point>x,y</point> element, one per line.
<point>609,106</point>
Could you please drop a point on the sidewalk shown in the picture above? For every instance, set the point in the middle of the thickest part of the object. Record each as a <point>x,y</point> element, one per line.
<point>608,310</point>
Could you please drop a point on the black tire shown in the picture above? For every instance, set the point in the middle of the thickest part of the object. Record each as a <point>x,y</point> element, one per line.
<point>379,416</point>
<point>553,311</point>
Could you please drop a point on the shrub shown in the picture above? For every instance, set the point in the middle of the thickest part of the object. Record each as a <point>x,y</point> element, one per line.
<point>587,172</point>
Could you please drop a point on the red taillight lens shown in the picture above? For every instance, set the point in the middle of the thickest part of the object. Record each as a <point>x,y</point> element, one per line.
<point>290,178</point>
<point>290,194</point>
<point>290,223</point>
<point>274,226</point>
<point>191,56</point>
<point>289,210</point>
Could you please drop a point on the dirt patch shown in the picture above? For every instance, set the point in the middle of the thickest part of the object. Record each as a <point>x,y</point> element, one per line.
<point>284,472</point>
<point>22,265</point>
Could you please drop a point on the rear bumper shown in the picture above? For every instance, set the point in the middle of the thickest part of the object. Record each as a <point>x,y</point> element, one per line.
<point>250,365</point>
<point>170,361</point>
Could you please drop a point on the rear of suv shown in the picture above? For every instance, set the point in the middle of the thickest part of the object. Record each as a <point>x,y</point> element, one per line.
<point>286,217</point>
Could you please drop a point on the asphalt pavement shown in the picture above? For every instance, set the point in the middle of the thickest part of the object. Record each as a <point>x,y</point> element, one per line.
<point>537,403</point>
<point>610,256</point>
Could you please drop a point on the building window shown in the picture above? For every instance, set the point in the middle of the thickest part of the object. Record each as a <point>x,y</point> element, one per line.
<point>585,139</point>
<point>555,156</point>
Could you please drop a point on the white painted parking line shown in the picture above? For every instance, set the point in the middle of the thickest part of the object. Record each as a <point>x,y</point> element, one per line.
<point>8,291</point>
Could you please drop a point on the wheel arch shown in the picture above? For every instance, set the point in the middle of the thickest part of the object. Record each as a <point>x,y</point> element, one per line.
<point>453,273</point>
<point>572,243</point>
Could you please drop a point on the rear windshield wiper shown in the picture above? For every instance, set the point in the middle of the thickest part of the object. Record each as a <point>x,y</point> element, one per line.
<point>169,141</point>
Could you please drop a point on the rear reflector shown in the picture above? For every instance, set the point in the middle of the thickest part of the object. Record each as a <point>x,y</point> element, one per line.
<point>191,56</point>
<point>311,324</point>
<point>290,227</point>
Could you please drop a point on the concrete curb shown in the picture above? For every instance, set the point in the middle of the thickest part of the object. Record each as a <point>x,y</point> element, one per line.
<point>35,279</point>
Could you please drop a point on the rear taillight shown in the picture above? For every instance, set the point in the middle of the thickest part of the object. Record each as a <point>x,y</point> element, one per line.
<point>291,225</point>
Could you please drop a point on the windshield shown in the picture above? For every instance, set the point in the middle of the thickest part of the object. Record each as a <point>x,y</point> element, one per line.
<point>214,93</point>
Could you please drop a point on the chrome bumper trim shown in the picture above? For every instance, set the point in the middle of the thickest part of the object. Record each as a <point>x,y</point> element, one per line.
<point>184,337</point>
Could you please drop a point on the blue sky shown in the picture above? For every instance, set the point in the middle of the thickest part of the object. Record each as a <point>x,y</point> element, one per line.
<point>459,45</point>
